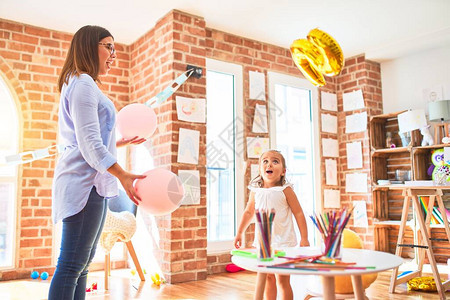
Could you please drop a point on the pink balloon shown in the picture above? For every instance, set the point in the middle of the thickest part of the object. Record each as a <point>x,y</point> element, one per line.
<point>136,120</point>
<point>161,192</point>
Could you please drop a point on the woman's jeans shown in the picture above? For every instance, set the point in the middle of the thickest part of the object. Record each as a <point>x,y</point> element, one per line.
<point>80,234</point>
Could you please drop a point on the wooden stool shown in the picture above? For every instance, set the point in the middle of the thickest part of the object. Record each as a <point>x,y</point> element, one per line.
<point>412,193</point>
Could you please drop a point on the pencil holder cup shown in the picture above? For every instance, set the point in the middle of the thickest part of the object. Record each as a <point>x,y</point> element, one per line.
<point>264,249</point>
<point>333,247</point>
<point>331,225</point>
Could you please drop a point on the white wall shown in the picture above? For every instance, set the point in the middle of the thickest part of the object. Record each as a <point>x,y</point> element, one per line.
<point>404,79</point>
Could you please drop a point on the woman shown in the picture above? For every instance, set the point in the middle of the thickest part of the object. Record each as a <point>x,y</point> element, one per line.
<point>86,172</point>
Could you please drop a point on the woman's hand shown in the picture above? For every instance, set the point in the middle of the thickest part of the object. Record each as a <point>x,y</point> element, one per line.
<point>133,141</point>
<point>127,180</point>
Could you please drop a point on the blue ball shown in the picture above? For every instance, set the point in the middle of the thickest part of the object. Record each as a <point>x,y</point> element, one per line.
<point>35,274</point>
<point>44,275</point>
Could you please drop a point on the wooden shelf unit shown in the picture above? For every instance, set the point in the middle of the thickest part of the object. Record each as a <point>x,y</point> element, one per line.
<point>388,199</point>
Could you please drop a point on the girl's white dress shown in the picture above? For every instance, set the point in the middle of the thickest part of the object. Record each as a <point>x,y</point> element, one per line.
<point>283,233</point>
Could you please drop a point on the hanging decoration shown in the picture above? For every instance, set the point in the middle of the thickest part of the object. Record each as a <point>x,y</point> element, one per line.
<point>30,156</point>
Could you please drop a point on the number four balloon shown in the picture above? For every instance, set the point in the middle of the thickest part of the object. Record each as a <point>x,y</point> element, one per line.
<point>317,55</point>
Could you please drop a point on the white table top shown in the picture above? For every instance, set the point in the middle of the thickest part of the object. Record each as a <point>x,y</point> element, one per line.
<point>380,260</point>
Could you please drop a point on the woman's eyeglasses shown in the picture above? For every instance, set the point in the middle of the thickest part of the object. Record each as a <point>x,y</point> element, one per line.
<point>110,47</point>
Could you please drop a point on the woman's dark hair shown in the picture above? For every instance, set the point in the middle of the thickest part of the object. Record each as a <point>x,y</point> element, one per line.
<point>258,181</point>
<point>83,53</point>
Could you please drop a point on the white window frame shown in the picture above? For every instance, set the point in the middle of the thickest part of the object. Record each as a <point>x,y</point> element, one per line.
<point>4,84</point>
<point>236,71</point>
<point>289,80</point>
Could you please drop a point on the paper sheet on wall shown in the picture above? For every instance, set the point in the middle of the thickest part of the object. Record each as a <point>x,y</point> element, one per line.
<point>191,184</point>
<point>254,171</point>
<point>330,172</point>
<point>356,183</point>
<point>354,155</point>
<point>256,146</point>
<point>356,122</point>
<point>360,214</point>
<point>353,100</point>
<point>329,123</point>
<point>330,148</point>
<point>257,85</point>
<point>434,93</point>
<point>260,119</point>
<point>331,198</point>
<point>191,110</point>
<point>188,146</point>
<point>447,155</point>
<point>329,101</point>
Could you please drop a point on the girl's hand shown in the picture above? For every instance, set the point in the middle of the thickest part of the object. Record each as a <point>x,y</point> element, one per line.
<point>304,243</point>
<point>237,241</point>
<point>133,141</point>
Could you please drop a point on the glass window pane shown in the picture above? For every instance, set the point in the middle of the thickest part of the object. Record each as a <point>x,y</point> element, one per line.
<point>297,151</point>
<point>7,199</point>
<point>220,156</point>
<point>9,141</point>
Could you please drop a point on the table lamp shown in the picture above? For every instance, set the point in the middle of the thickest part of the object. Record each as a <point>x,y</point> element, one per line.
<point>411,120</point>
<point>439,111</point>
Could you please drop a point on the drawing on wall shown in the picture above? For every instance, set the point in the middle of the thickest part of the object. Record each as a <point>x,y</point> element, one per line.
<point>257,85</point>
<point>191,184</point>
<point>329,101</point>
<point>188,146</point>
<point>354,155</point>
<point>191,110</point>
<point>329,123</point>
<point>356,122</point>
<point>433,94</point>
<point>330,148</point>
<point>353,100</point>
<point>254,171</point>
<point>331,198</point>
<point>260,119</point>
<point>356,183</point>
<point>330,172</point>
<point>256,146</point>
<point>360,214</point>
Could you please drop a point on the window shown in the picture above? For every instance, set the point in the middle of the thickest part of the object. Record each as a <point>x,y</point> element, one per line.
<point>293,131</point>
<point>224,148</point>
<point>9,140</point>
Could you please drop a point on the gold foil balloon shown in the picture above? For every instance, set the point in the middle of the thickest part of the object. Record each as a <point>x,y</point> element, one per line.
<point>317,55</point>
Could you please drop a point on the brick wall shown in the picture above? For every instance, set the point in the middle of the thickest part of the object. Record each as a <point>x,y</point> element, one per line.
<point>157,59</point>
<point>363,74</point>
<point>30,61</point>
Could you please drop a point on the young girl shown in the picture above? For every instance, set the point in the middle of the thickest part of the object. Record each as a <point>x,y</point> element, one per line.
<point>270,190</point>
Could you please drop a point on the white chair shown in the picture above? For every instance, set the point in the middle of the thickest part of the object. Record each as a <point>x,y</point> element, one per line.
<point>117,205</point>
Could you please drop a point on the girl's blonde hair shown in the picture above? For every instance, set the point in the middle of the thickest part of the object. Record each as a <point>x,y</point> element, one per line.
<point>258,180</point>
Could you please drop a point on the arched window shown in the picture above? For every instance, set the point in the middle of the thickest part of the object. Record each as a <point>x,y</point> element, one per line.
<point>9,144</point>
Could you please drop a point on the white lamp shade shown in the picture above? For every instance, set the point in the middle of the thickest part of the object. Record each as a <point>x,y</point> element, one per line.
<point>439,110</point>
<point>411,120</point>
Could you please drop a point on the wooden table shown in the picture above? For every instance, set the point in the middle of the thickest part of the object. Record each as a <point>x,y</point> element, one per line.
<point>380,260</point>
<point>412,193</point>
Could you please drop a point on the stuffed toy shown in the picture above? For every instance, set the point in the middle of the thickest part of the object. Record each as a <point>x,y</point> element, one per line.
<point>427,139</point>
<point>439,170</point>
